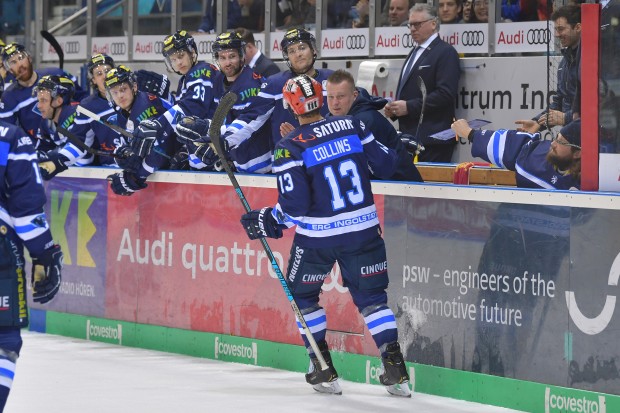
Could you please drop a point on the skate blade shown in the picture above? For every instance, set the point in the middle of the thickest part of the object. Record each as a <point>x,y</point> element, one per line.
<point>332,387</point>
<point>400,390</point>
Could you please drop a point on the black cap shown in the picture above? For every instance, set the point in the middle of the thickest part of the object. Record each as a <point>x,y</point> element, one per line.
<point>572,132</point>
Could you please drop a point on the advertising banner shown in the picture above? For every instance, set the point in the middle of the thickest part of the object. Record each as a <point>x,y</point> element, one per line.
<point>74,48</point>
<point>148,48</point>
<point>77,214</point>
<point>185,262</point>
<point>519,291</point>
<point>117,47</point>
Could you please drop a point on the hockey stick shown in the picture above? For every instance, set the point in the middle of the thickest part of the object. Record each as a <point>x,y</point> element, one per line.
<point>95,117</point>
<point>76,141</point>
<point>54,43</point>
<point>116,128</point>
<point>422,86</point>
<point>226,103</point>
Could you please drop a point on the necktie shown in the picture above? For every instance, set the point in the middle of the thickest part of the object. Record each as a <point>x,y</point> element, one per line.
<point>407,70</point>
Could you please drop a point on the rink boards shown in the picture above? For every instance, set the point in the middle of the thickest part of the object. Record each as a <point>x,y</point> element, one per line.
<point>502,296</point>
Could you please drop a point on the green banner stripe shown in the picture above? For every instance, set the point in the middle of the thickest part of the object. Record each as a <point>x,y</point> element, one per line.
<point>475,387</point>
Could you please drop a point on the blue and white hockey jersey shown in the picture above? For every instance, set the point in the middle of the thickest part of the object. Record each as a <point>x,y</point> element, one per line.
<point>19,107</point>
<point>324,184</point>
<point>269,105</point>
<point>21,190</point>
<point>249,153</point>
<point>523,153</point>
<point>89,130</point>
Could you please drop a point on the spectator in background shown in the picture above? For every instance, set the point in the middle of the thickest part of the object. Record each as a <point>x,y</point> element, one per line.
<point>567,21</point>
<point>399,12</point>
<point>450,11</point>
<point>252,15</point>
<point>359,13</point>
<point>468,10</point>
<point>437,64</point>
<point>304,14</point>
<point>254,57</point>
<point>284,13</point>
<point>209,20</point>
<point>481,12</point>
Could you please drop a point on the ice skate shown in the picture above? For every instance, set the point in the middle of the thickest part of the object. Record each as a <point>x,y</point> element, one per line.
<point>323,381</point>
<point>394,376</point>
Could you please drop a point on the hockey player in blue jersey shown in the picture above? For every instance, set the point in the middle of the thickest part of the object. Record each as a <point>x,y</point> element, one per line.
<point>22,222</point>
<point>53,94</point>
<point>299,52</point>
<point>134,109</point>
<point>17,105</point>
<point>323,170</point>
<point>250,154</point>
<point>538,163</point>
<point>194,94</point>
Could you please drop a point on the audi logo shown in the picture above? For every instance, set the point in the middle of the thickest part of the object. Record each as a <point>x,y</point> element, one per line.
<point>72,47</point>
<point>472,38</point>
<point>538,36</point>
<point>159,46</point>
<point>356,42</point>
<point>118,48</point>
<point>205,46</point>
<point>407,40</point>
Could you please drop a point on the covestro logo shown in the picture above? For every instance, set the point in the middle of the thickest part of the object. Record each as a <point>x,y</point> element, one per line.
<point>236,350</point>
<point>573,402</point>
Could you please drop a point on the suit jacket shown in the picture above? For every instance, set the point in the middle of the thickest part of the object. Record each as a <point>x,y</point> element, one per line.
<point>438,66</point>
<point>265,66</point>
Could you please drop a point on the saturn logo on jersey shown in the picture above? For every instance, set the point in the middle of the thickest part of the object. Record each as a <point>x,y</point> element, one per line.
<point>332,127</point>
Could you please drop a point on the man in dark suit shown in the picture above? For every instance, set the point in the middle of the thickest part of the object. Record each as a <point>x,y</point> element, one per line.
<point>260,63</point>
<point>437,64</point>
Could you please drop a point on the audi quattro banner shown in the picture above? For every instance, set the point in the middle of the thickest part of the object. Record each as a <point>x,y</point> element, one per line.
<point>520,291</point>
<point>77,210</point>
<point>466,38</point>
<point>74,48</point>
<point>185,262</point>
<point>117,47</point>
<point>524,37</point>
<point>148,47</point>
<point>344,42</point>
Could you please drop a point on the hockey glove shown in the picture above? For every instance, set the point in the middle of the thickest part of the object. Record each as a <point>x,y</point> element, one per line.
<point>126,159</point>
<point>410,143</point>
<point>54,165</point>
<point>154,83</point>
<point>261,224</point>
<point>126,183</point>
<point>192,129</point>
<point>46,274</point>
<point>180,160</point>
<point>144,137</point>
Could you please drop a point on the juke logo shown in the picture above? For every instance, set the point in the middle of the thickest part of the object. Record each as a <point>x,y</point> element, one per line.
<point>118,48</point>
<point>538,36</point>
<point>72,47</point>
<point>356,42</point>
<point>204,46</point>
<point>472,38</point>
<point>408,40</point>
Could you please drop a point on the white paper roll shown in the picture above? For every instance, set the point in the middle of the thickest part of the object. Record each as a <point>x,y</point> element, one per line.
<point>369,71</point>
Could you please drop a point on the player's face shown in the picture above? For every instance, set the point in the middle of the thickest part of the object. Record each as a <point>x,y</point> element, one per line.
<point>340,97</point>
<point>181,61</point>
<point>421,26</point>
<point>230,63</point>
<point>567,35</point>
<point>301,57</point>
<point>45,105</point>
<point>21,66</point>
<point>99,73</point>
<point>561,153</point>
<point>448,10</point>
<point>123,95</point>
